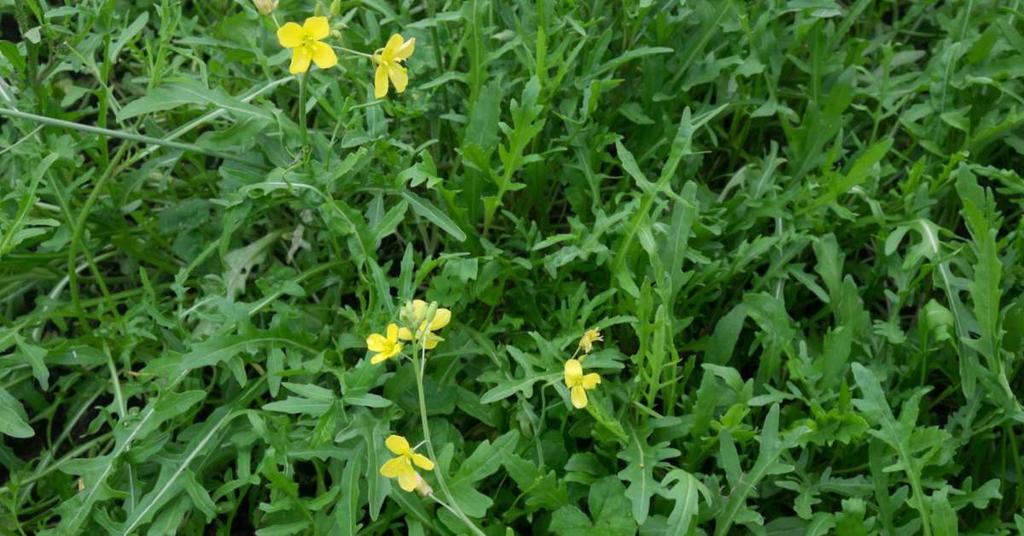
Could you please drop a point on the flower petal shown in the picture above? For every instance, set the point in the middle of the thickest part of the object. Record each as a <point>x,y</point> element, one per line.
<point>380,357</point>
<point>376,342</point>
<point>406,49</point>
<point>573,373</point>
<point>404,334</point>
<point>380,82</point>
<point>397,444</point>
<point>394,44</point>
<point>317,28</point>
<point>300,60</point>
<point>392,332</point>
<point>431,340</point>
<point>442,317</point>
<point>591,380</point>
<point>290,35</point>
<point>422,461</point>
<point>399,77</point>
<point>578,396</point>
<point>323,55</point>
<point>408,480</point>
<point>395,466</point>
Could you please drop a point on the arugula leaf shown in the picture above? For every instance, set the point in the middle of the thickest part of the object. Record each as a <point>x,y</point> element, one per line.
<point>608,513</point>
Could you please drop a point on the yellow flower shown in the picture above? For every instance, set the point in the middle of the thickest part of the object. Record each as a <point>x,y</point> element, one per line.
<point>385,347</point>
<point>579,384</point>
<point>415,314</point>
<point>306,44</point>
<point>388,66</point>
<point>401,466</point>
<point>589,338</point>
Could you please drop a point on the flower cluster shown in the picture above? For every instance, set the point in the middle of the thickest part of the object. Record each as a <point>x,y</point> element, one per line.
<point>425,319</point>
<point>420,323</point>
<point>308,47</point>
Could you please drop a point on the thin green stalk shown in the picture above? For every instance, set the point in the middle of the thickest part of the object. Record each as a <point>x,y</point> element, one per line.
<point>355,52</point>
<point>302,277</point>
<point>444,504</point>
<point>1019,495</point>
<point>23,139</point>
<point>78,230</point>
<point>419,361</point>
<point>203,119</point>
<point>67,458</point>
<point>916,489</point>
<point>131,136</point>
<point>59,287</point>
<point>48,457</point>
<point>302,108</point>
<point>122,410</point>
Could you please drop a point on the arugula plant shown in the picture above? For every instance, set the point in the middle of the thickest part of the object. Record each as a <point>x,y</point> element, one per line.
<point>704,267</point>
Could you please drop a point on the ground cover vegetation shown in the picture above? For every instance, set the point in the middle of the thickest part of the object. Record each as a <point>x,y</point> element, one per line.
<point>555,267</point>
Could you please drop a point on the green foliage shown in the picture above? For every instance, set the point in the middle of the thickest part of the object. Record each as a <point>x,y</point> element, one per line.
<point>797,224</point>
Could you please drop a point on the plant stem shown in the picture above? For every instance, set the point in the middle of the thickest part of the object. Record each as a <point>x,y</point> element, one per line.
<point>444,504</point>
<point>50,121</point>
<point>356,52</point>
<point>419,361</point>
<point>302,108</point>
<point>205,118</point>
<point>78,231</point>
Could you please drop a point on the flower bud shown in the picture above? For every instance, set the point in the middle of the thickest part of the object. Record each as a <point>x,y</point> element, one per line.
<point>939,319</point>
<point>588,339</point>
<point>265,7</point>
<point>408,314</point>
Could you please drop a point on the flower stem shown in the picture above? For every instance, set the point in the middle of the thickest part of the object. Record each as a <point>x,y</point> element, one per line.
<point>419,361</point>
<point>356,52</point>
<point>444,504</point>
<point>302,108</point>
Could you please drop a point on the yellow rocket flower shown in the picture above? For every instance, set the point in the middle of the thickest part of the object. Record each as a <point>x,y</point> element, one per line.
<point>401,466</point>
<point>385,346</point>
<point>388,66</point>
<point>578,383</point>
<point>307,44</point>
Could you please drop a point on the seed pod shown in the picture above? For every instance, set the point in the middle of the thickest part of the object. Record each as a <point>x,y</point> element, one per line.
<point>422,487</point>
